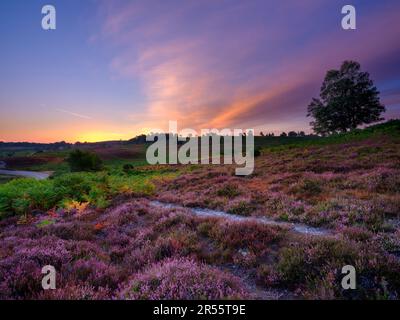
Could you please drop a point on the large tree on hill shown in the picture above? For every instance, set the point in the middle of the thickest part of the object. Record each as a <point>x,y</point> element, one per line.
<point>348,98</point>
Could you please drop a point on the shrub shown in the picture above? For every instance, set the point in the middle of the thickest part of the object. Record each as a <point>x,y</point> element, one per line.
<point>74,292</point>
<point>267,275</point>
<point>183,279</point>
<point>304,263</point>
<point>69,190</point>
<point>316,267</point>
<point>79,160</point>
<point>308,187</point>
<point>229,190</point>
<point>72,231</point>
<point>97,273</point>
<point>20,273</point>
<point>19,196</point>
<point>83,187</point>
<point>242,207</point>
<point>244,235</point>
<point>127,167</point>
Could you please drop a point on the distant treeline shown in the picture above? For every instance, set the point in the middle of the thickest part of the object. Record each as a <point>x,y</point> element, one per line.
<point>140,139</point>
<point>32,145</point>
<point>55,145</point>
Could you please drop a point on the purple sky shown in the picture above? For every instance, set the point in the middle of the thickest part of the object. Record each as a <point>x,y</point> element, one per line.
<point>114,69</point>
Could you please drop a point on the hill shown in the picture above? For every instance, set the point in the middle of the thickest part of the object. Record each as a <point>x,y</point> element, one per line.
<point>192,232</point>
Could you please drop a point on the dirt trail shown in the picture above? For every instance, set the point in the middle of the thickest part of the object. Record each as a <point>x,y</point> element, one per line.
<point>27,174</point>
<point>258,292</point>
<point>295,227</point>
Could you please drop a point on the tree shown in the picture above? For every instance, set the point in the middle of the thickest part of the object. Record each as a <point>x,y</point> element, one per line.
<point>292,134</point>
<point>283,134</point>
<point>79,160</point>
<point>348,98</point>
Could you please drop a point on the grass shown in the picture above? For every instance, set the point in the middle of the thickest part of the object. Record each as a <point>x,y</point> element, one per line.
<point>97,189</point>
<point>23,195</point>
<point>283,143</point>
<point>6,178</point>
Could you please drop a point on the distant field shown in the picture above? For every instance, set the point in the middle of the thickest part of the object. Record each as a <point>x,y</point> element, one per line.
<point>114,155</point>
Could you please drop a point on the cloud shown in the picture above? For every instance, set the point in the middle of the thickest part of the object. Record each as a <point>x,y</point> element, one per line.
<point>219,64</point>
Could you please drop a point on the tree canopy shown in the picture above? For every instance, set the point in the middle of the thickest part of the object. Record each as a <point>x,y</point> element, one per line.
<point>80,160</point>
<point>348,98</point>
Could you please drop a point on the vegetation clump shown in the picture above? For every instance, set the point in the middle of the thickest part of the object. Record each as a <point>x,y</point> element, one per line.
<point>348,99</point>
<point>80,160</point>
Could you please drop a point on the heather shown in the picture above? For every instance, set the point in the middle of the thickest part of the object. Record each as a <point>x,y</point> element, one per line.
<point>135,250</point>
<point>354,183</point>
<point>182,279</point>
<point>108,240</point>
<point>97,253</point>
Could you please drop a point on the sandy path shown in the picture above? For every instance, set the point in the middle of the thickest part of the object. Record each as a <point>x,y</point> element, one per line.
<point>296,227</point>
<point>27,174</point>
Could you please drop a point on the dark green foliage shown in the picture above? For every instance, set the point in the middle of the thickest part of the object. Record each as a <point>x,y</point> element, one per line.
<point>79,160</point>
<point>21,196</point>
<point>229,190</point>
<point>348,99</point>
<point>127,167</point>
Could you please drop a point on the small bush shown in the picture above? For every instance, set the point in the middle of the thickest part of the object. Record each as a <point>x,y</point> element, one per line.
<point>249,235</point>
<point>79,160</point>
<point>22,195</point>
<point>308,187</point>
<point>183,279</point>
<point>127,167</point>
<point>304,263</point>
<point>229,191</point>
<point>242,207</point>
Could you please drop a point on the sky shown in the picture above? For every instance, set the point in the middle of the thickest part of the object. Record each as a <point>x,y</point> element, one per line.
<point>114,69</point>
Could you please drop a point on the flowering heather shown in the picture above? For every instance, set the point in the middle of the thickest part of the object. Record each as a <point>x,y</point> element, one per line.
<point>140,247</point>
<point>22,261</point>
<point>183,279</point>
<point>334,185</point>
<point>251,235</point>
<point>134,249</point>
<point>376,272</point>
<point>75,292</point>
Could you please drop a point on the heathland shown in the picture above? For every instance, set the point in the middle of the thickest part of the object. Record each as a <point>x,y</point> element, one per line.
<point>129,231</point>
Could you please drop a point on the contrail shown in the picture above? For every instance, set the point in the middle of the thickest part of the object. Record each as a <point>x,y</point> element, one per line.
<point>74,114</point>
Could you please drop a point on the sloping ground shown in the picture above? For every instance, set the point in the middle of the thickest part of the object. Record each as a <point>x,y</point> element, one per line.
<point>113,152</point>
<point>293,227</point>
<point>138,251</point>
<point>131,251</point>
<point>355,184</point>
<point>135,250</point>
